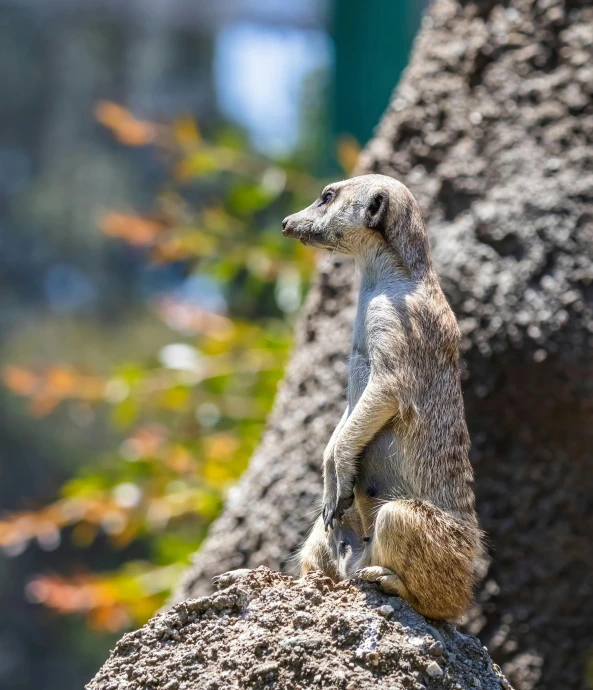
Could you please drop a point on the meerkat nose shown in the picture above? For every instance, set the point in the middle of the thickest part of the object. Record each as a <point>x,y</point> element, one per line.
<point>285,223</point>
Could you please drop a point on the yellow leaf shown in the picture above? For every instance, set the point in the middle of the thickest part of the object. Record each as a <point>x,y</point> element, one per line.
<point>348,153</point>
<point>186,132</point>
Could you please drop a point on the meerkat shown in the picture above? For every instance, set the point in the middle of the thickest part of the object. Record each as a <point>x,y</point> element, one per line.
<point>398,502</point>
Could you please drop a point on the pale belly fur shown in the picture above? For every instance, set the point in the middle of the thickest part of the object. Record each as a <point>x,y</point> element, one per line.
<point>379,477</point>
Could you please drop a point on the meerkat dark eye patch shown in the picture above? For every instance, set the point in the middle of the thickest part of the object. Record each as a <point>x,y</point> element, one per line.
<point>326,197</point>
<point>376,211</point>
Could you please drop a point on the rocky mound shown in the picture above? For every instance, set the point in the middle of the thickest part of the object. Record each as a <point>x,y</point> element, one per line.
<point>270,631</point>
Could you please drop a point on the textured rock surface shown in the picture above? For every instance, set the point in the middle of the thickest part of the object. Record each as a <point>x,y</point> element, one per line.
<point>492,129</point>
<point>270,631</point>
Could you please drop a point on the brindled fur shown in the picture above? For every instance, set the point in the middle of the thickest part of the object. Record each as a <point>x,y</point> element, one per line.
<point>398,505</point>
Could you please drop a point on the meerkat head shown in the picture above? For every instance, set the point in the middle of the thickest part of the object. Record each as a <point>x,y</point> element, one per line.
<point>361,216</point>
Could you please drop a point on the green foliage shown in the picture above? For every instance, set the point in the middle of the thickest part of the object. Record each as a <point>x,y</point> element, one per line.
<point>188,415</point>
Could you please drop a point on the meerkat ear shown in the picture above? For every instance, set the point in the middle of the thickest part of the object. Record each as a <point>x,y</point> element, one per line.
<point>376,211</point>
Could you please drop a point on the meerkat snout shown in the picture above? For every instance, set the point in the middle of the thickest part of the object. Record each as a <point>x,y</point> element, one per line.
<point>297,225</point>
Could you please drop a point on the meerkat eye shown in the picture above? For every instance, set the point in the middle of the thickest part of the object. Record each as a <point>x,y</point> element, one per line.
<point>326,198</point>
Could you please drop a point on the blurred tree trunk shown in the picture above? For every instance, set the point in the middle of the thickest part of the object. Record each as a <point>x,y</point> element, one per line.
<point>492,129</point>
<point>358,101</point>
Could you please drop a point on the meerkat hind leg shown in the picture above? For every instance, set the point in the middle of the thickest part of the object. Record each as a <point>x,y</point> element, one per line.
<point>432,552</point>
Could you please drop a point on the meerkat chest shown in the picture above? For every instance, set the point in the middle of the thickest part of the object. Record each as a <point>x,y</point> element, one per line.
<point>359,370</point>
<point>372,317</point>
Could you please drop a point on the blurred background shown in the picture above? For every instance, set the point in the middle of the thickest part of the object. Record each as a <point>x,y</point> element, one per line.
<point>148,152</point>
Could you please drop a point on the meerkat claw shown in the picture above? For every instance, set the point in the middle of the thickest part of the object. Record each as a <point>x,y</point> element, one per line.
<point>329,515</point>
<point>326,518</point>
<point>336,513</point>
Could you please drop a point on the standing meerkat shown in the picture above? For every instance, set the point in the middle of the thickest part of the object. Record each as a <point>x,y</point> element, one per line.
<point>398,503</point>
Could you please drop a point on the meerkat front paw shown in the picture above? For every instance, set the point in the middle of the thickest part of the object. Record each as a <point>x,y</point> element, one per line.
<point>229,578</point>
<point>335,504</point>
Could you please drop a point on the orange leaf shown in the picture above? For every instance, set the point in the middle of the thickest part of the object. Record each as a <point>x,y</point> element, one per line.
<point>19,380</point>
<point>42,404</point>
<point>348,153</point>
<point>125,127</point>
<point>190,318</point>
<point>220,447</point>
<point>135,230</point>
<point>60,381</point>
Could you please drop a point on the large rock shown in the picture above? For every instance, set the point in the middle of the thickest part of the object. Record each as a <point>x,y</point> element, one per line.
<point>492,129</point>
<point>270,631</point>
